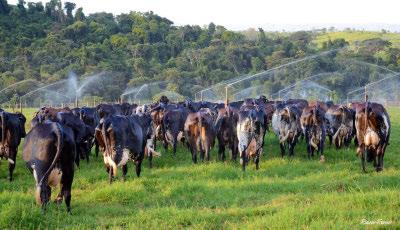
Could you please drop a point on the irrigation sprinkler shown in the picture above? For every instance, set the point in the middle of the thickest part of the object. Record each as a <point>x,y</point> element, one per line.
<point>76,101</point>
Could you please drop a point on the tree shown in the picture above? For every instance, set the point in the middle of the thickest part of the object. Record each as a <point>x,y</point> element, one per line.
<point>4,7</point>
<point>69,7</point>
<point>21,6</point>
<point>79,15</point>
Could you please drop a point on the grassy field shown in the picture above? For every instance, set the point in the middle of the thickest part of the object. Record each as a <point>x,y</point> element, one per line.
<point>358,36</point>
<point>300,193</point>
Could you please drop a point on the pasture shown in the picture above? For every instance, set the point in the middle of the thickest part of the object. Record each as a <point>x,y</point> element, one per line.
<point>175,193</point>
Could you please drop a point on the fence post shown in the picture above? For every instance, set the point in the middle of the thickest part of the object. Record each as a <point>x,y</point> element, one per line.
<point>20,105</point>
<point>226,94</point>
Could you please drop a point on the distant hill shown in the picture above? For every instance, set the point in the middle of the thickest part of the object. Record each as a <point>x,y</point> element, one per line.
<point>354,37</point>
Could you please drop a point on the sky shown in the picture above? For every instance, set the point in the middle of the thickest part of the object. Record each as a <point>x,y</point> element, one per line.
<point>269,14</point>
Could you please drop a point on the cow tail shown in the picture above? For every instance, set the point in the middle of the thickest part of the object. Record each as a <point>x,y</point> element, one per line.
<point>107,152</point>
<point>60,138</point>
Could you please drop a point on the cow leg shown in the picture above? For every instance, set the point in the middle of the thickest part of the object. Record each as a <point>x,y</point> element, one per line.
<point>244,142</point>
<point>221,151</point>
<point>363,158</point>
<point>257,161</point>
<point>208,153</point>
<point>243,160</point>
<point>165,145</point>
<point>150,155</point>
<point>67,195</point>
<point>138,167</point>
<point>321,150</point>
<point>174,145</point>
<point>194,154</point>
<point>11,165</point>
<point>291,147</point>
<point>206,148</point>
<point>380,163</point>
<point>380,153</point>
<point>66,184</point>
<point>110,174</point>
<point>60,195</point>
<point>234,149</point>
<point>282,146</point>
<point>199,149</point>
<point>96,148</point>
<point>355,141</point>
<point>45,195</point>
<point>124,171</point>
<point>330,140</point>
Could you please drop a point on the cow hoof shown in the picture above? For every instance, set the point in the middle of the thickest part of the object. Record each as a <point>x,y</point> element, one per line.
<point>379,169</point>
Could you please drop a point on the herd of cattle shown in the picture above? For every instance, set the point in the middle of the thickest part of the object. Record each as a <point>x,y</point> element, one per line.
<point>60,138</point>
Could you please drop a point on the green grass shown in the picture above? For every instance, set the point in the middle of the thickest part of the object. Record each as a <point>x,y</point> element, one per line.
<point>284,193</point>
<point>358,36</point>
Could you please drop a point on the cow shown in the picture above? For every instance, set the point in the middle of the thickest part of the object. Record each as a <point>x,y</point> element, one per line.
<point>146,124</point>
<point>105,110</point>
<point>82,134</point>
<point>251,125</point>
<point>287,126</point>
<point>90,117</point>
<point>12,127</point>
<point>172,125</point>
<point>120,139</point>
<point>225,128</point>
<point>339,127</point>
<point>48,113</point>
<point>373,134</point>
<point>313,126</point>
<point>199,133</point>
<point>49,154</point>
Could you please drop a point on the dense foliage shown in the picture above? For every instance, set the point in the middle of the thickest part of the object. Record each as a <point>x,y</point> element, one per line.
<point>45,42</point>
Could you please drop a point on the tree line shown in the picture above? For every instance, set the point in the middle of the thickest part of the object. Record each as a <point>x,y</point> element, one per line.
<point>46,41</point>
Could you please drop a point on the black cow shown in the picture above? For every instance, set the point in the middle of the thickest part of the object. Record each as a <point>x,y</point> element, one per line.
<point>49,153</point>
<point>12,127</point>
<point>83,134</point>
<point>90,117</point>
<point>120,138</point>
<point>172,126</point>
<point>105,110</point>
<point>225,128</point>
<point>146,124</point>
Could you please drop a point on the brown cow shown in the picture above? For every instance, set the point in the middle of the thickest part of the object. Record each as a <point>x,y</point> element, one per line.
<point>373,132</point>
<point>313,125</point>
<point>200,134</point>
<point>48,113</point>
